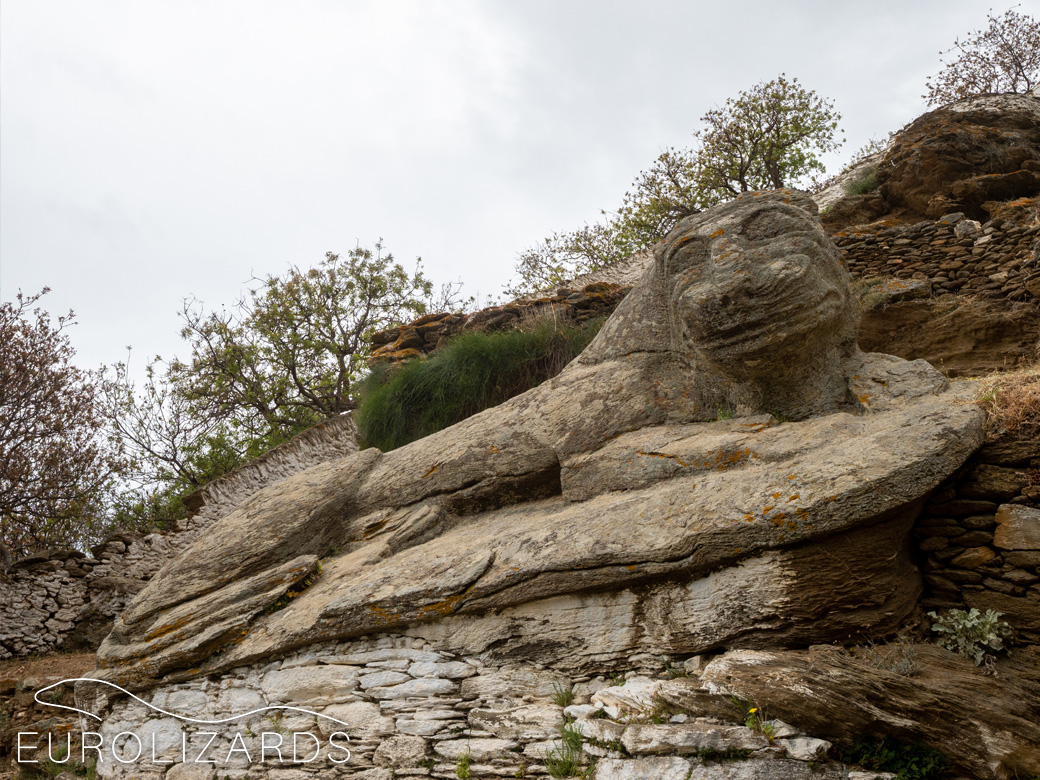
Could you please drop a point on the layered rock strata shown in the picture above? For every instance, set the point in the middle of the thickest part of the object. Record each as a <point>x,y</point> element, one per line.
<point>606,488</point>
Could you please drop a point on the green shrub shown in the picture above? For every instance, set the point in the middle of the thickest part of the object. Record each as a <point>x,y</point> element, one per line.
<point>474,371</point>
<point>910,761</point>
<point>868,182</point>
<point>972,634</point>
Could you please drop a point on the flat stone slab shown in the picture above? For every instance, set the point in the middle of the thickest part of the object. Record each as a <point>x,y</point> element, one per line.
<point>1018,528</point>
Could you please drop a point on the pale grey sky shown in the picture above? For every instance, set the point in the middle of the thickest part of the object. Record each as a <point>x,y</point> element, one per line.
<point>151,151</point>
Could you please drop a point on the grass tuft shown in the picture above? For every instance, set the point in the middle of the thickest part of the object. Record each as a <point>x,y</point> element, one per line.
<point>564,697</point>
<point>868,182</point>
<point>1012,401</point>
<point>566,760</point>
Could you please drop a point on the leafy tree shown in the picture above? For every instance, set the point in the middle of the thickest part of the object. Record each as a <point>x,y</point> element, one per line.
<point>1005,57</point>
<point>289,355</point>
<point>172,448</point>
<point>671,189</point>
<point>285,357</point>
<point>769,136</point>
<point>563,256</point>
<point>56,464</point>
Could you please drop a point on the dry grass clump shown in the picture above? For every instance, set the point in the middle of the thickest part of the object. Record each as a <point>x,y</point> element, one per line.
<point>1024,211</point>
<point>1012,401</point>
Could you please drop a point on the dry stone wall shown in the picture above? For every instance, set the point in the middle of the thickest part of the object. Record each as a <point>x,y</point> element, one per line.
<point>67,598</point>
<point>979,536</point>
<point>953,254</point>
<point>413,709</point>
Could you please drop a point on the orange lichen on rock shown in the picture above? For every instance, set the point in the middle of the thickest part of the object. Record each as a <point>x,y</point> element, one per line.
<point>676,458</point>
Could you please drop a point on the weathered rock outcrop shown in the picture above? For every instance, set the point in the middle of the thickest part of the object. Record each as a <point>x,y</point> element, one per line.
<point>965,155</point>
<point>959,336</point>
<point>575,303</point>
<point>607,512</point>
<point>833,694</point>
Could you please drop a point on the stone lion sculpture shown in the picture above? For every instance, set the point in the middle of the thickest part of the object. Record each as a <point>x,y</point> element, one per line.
<point>687,480</point>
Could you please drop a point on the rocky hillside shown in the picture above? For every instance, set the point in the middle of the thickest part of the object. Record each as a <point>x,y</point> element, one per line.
<point>635,570</point>
<point>952,205</point>
<point>723,543</point>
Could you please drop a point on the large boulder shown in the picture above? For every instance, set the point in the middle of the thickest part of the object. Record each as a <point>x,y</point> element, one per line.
<point>722,465</point>
<point>965,155</point>
<point>987,724</point>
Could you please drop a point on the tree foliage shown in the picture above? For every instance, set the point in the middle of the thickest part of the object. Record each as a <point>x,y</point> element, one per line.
<point>285,357</point>
<point>1005,57</point>
<point>766,138</point>
<point>769,136</point>
<point>171,448</point>
<point>56,464</point>
<point>288,355</point>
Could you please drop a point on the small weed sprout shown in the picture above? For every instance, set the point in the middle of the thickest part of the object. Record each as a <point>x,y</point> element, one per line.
<point>972,634</point>
<point>755,718</point>
<point>275,719</point>
<point>564,697</point>
<point>661,712</point>
<point>566,760</point>
<point>462,765</point>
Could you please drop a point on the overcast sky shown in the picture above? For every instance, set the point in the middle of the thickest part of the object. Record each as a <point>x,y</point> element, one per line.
<point>151,151</point>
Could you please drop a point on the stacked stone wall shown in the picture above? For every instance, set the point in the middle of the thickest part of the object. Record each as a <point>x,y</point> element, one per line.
<point>413,709</point>
<point>69,597</point>
<point>979,536</point>
<point>954,255</point>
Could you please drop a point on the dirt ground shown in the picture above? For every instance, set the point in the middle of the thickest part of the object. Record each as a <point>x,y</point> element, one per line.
<point>53,665</point>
